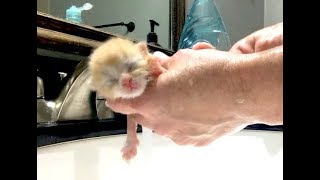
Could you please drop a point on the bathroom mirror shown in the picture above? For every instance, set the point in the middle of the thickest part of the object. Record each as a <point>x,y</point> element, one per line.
<point>126,18</point>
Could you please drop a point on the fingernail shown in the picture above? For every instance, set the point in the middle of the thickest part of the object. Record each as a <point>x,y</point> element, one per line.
<point>194,45</point>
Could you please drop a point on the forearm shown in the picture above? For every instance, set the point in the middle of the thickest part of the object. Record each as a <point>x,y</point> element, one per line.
<point>207,89</point>
<point>243,88</point>
<point>260,80</point>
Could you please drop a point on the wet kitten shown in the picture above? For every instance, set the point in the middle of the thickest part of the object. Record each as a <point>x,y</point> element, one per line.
<point>120,68</point>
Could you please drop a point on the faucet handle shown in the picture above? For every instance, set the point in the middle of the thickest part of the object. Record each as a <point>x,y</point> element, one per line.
<point>62,75</point>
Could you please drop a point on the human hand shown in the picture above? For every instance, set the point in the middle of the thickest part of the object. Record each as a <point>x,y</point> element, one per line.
<point>260,40</point>
<point>194,102</point>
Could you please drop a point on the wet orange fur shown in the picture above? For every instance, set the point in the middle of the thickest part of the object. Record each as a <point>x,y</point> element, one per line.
<point>106,65</point>
<point>109,61</point>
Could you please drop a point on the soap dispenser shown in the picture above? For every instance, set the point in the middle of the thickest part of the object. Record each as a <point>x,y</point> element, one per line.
<point>152,37</point>
<point>73,14</point>
<point>204,24</point>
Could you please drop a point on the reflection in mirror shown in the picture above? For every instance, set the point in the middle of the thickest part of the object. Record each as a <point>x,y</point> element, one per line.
<point>240,17</point>
<point>122,17</point>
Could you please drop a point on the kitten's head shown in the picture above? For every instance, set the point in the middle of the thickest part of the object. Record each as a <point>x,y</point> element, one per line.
<point>119,68</point>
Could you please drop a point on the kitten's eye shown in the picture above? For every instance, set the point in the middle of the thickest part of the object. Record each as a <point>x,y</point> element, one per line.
<point>111,82</point>
<point>131,66</point>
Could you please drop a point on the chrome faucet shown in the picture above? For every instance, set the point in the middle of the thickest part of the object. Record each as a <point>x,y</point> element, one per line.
<point>76,101</point>
<point>45,109</point>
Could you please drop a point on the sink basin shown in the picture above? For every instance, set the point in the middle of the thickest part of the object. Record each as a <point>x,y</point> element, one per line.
<point>248,154</point>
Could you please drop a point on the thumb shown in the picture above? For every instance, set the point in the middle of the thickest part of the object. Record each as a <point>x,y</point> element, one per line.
<point>202,45</point>
<point>162,58</point>
<point>122,106</point>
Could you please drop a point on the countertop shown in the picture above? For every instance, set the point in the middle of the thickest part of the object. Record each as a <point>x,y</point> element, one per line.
<point>75,130</point>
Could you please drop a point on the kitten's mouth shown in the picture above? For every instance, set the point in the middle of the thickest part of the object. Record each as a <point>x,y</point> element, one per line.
<point>131,87</point>
<point>129,84</point>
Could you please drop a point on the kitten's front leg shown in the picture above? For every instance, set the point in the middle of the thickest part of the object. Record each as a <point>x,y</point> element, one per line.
<point>130,148</point>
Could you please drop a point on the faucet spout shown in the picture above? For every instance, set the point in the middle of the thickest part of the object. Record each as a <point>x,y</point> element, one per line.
<point>76,101</point>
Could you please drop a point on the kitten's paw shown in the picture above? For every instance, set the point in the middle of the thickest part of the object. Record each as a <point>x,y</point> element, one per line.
<point>129,151</point>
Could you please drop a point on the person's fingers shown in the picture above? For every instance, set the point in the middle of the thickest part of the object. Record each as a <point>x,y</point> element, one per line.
<point>182,135</point>
<point>206,141</point>
<point>182,140</point>
<point>121,106</point>
<point>156,68</point>
<point>140,120</point>
<point>162,58</point>
<point>219,132</point>
<point>202,45</point>
<point>235,49</point>
<point>242,49</point>
<point>244,46</point>
<point>267,44</point>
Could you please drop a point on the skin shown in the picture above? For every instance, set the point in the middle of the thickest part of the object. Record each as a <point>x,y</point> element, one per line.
<point>205,94</point>
<point>260,40</point>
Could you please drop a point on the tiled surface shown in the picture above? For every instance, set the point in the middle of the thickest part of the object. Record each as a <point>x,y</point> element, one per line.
<point>247,155</point>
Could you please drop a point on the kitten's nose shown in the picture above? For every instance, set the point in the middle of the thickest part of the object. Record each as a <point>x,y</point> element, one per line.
<point>127,82</point>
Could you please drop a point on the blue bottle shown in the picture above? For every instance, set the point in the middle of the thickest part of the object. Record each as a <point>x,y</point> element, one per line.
<point>204,24</point>
<point>73,14</point>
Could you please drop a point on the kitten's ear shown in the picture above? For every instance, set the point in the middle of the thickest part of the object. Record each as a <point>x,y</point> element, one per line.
<point>143,48</point>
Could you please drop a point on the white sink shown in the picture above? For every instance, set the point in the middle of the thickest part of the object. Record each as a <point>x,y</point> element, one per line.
<point>249,154</point>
